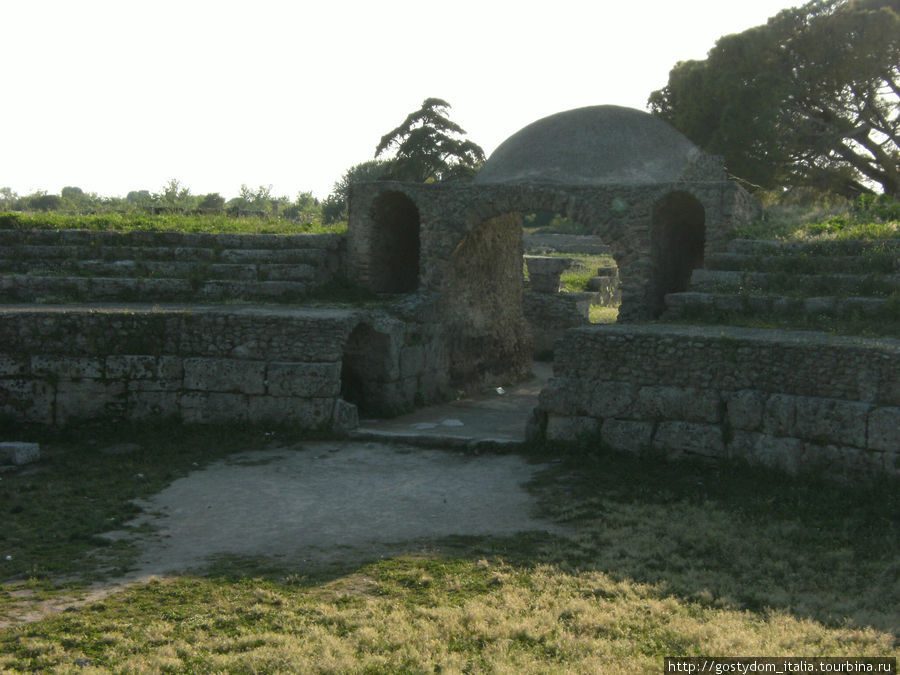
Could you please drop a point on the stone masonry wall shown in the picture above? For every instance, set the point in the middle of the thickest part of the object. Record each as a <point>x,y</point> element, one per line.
<point>620,215</point>
<point>799,401</point>
<point>202,365</point>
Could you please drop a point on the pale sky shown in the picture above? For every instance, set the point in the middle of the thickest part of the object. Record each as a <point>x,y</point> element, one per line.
<point>120,95</point>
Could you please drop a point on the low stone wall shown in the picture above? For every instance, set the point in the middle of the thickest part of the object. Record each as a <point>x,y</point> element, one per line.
<point>798,401</point>
<point>205,364</point>
<point>551,314</point>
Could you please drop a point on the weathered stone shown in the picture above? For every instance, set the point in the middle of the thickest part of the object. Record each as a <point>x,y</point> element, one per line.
<point>19,453</point>
<point>828,421</point>
<point>210,408</point>
<point>144,405</point>
<point>680,437</point>
<point>306,380</point>
<point>313,413</point>
<point>782,453</point>
<point>677,403</point>
<point>626,435</point>
<point>346,416</point>
<point>412,361</point>
<point>225,375</point>
<point>12,366</point>
<point>611,399</point>
<point>779,415</point>
<point>71,367</point>
<point>745,409</point>
<point>884,430</point>
<point>90,400</point>
<point>570,428</point>
<point>27,400</point>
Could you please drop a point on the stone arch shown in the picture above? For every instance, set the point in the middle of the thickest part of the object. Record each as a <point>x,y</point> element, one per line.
<point>596,208</point>
<point>678,240</point>
<point>395,244</point>
<point>366,370</point>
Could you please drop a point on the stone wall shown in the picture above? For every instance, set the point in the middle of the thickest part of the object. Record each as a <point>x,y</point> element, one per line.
<point>620,215</point>
<point>207,365</point>
<point>795,400</point>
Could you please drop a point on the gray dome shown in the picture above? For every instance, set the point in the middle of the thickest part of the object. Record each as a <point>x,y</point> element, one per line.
<point>598,145</point>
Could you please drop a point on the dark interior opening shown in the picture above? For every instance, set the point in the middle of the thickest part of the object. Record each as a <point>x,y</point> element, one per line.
<point>395,244</point>
<point>365,369</point>
<point>678,239</point>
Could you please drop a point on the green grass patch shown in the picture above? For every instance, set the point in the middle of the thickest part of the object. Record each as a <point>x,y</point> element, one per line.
<point>825,219</point>
<point>659,559</point>
<point>163,222</point>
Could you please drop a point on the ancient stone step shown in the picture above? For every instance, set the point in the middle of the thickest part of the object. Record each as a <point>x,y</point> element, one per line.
<point>34,288</point>
<point>729,281</point>
<point>880,263</point>
<point>10,237</point>
<point>714,306</point>
<point>46,253</point>
<point>159,269</point>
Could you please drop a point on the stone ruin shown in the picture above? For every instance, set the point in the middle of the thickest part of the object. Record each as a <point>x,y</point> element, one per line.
<point>447,259</point>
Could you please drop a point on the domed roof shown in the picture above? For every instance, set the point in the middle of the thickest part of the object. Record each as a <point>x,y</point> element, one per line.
<point>597,145</point>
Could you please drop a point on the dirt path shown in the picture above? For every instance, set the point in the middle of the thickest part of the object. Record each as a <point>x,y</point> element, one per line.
<point>324,501</point>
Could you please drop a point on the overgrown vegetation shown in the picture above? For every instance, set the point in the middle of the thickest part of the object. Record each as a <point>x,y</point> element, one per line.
<point>813,216</point>
<point>659,559</point>
<point>133,221</point>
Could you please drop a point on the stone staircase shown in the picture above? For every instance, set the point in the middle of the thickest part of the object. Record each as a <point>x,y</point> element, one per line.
<point>50,266</point>
<point>793,282</point>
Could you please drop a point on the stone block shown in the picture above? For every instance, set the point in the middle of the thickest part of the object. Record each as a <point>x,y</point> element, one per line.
<point>611,399</point>
<point>306,380</point>
<point>831,421</point>
<point>19,453</point>
<point>681,437</point>
<point>346,416</point>
<point>68,367</point>
<point>143,367</point>
<point>561,396</point>
<point>412,361</point>
<point>884,430</point>
<point>314,413</point>
<point>225,375</point>
<point>687,404</point>
<point>745,409</point>
<point>90,399</point>
<point>27,400</point>
<point>779,415</point>
<point>143,405</point>
<point>12,366</point>
<point>782,453</point>
<point>137,367</point>
<point>561,428</point>
<point>207,408</point>
<point>627,435</point>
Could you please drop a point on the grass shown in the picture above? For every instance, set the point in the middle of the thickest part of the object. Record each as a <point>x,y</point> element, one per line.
<point>164,222</point>
<point>824,218</point>
<point>660,559</point>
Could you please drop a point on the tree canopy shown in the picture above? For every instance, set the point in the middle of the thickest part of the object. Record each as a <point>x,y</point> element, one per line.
<point>812,97</point>
<point>429,146</point>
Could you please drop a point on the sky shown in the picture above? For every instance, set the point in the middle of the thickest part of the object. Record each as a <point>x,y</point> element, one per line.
<point>121,95</point>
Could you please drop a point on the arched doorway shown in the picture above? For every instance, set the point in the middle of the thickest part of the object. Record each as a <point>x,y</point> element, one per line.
<point>678,237</point>
<point>395,243</point>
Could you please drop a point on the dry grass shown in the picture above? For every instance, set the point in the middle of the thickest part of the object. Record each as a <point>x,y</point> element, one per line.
<point>659,560</point>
